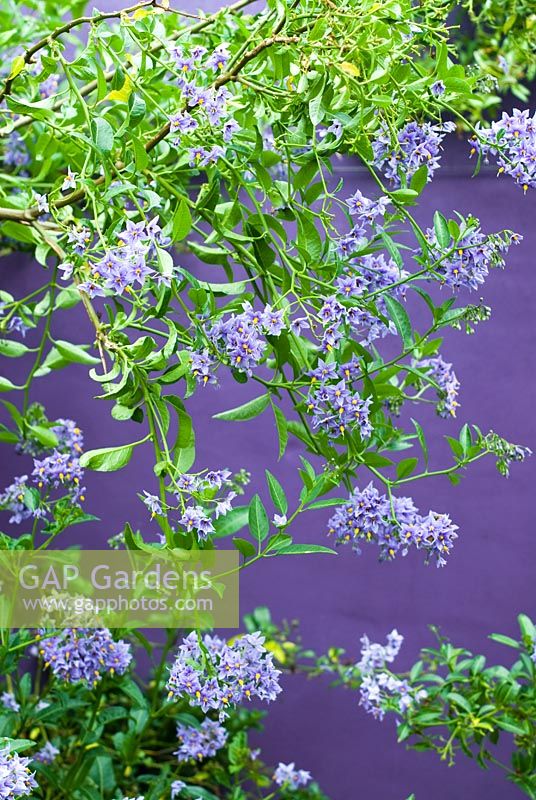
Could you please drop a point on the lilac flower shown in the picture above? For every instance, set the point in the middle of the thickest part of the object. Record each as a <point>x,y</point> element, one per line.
<point>182,122</point>
<point>17,324</point>
<point>379,686</point>
<point>199,743</point>
<point>215,479</point>
<point>219,57</point>
<point>366,209</point>
<point>16,779</point>
<point>47,754</point>
<point>81,238</point>
<point>338,408</point>
<point>238,338</point>
<point>9,702</point>
<point>280,520</point>
<point>416,145</point>
<point>290,778</point>
<point>176,788</point>
<point>13,499</point>
<point>202,364</point>
<point>82,655</point>
<point>335,128</point>
<point>512,142</point>
<point>273,321</point>
<point>92,289</point>
<point>59,470</point>
<point>230,127</point>
<point>503,64</point>
<point>195,519</point>
<point>474,254</point>
<point>187,483</point>
<point>42,203</point>
<point>69,182</point>
<point>393,524</point>
<point>16,153</point>
<point>223,674</point>
<point>448,384</point>
<point>70,436</point>
<point>153,504</point>
<point>437,89</point>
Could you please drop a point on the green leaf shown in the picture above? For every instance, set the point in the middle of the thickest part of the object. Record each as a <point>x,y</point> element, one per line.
<point>507,640</point>
<point>277,493</point>
<point>107,459</point>
<point>422,440</point>
<point>399,315</point>
<point>258,519</point>
<point>75,353</point>
<point>249,410</point>
<point>182,221</point>
<point>302,549</point>
<point>441,229</point>
<point>184,447</point>
<point>12,349</point>
<point>282,430</point>
<point>405,467</point>
<point>232,522</point>
<point>6,385</point>
<point>17,66</point>
<point>244,546</point>
<point>103,134</point>
<point>327,503</point>
<point>527,627</point>
<point>44,435</point>
<point>419,179</point>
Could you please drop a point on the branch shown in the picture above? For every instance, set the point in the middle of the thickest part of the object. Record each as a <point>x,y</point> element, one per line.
<point>33,213</point>
<point>90,87</point>
<point>73,23</point>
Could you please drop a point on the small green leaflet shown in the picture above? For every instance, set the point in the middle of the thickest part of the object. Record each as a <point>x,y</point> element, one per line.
<point>441,229</point>
<point>249,410</point>
<point>399,315</point>
<point>258,519</point>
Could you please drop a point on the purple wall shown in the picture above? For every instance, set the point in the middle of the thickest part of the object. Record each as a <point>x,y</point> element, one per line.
<point>488,580</point>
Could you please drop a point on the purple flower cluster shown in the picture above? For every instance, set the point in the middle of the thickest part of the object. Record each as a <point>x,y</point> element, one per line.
<point>15,153</point>
<point>70,436</point>
<point>445,377</point>
<point>288,777</point>
<point>365,209</point>
<point>210,103</point>
<point>202,742</point>
<point>195,517</point>
<point>472,256</point>
<point>335,405</point>
<point>239,339</point>
<point>512,142</point>
<point>378,687</point>
<point>47,754</point>
<point>362,277</point>
<point>16,779</point>
<point>215,674</point>
<point>85,655</point>
<point>12,499</point>
<point>203,366</point>
<point>59,470</point>
<point>393,524</point>
<point>417,144</point>
<point>127,265</point>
